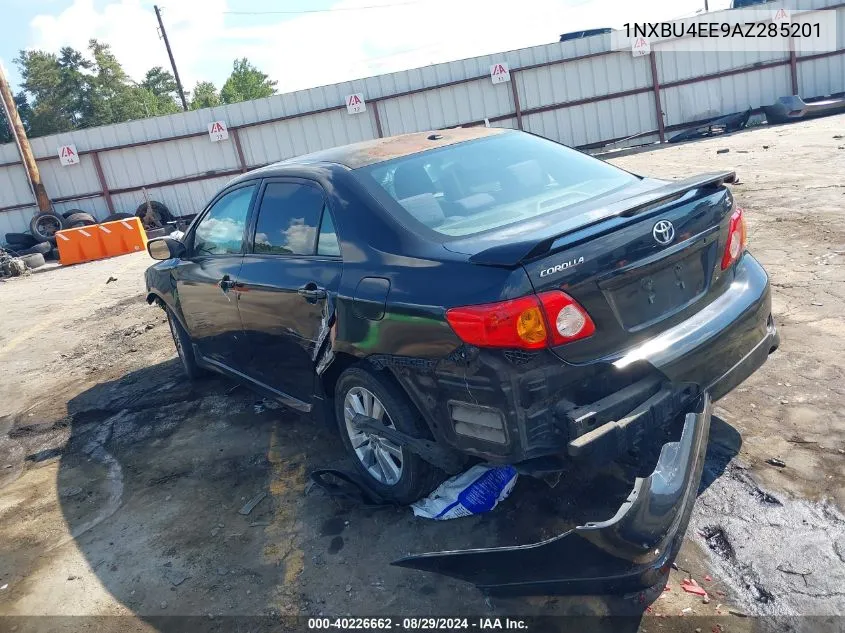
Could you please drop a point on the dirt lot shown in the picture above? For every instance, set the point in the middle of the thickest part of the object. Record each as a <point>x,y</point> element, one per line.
<point>120,482</point>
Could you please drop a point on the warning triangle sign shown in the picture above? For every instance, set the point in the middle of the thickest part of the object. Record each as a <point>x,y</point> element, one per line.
<point>499,73</point>
<point>640,47</point>
<point>355,103</point>
<point>68,155</point>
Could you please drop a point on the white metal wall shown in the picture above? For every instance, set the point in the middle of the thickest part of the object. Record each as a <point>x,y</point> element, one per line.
<point>157,153</point>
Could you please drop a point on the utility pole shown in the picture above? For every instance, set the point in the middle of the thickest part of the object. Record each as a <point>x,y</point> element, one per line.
<point>170,55</point>
<point>16,126</point>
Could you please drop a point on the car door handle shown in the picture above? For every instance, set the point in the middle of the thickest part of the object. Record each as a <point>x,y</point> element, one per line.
<point>312,291</point>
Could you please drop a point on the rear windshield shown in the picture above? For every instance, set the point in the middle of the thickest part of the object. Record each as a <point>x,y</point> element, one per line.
<point>484,184</point>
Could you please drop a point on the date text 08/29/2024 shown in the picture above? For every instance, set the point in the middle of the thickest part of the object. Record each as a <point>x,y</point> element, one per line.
<point>417,624</point>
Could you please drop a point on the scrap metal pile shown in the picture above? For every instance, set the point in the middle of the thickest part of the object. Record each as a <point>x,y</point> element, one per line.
<point>11,266</point>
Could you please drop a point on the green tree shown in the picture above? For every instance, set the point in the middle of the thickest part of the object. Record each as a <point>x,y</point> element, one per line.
<point>58,88</point>
<point>245,83</point>
<point>25,113</point>
<point>72,90</point>
<point>163,92</point>
<point>204,96</point>
<point>113,97</point>
<point>160,82</point>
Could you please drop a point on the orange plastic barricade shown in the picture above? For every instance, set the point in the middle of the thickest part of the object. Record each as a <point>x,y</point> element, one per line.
<point>87,243</point>
<point>123,236</point>
<point>79,245</point>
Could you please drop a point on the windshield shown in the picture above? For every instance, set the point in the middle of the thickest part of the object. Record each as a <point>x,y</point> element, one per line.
<point>488,183</point>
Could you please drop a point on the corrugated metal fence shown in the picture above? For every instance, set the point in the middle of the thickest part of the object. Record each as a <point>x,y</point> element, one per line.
<point>581,93</point>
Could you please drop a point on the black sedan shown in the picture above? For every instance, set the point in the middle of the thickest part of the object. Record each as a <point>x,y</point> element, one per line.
<point>473,294</point>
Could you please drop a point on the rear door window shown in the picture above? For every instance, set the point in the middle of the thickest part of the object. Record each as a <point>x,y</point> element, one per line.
<point>327,242</point>
<point>288,219</point>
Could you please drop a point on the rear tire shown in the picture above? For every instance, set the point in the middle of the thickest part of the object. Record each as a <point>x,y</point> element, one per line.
<point>157,218</point>
<point>118,216</point>
<point>76,220</point>
<point>43,226</point>
<point>184,347</point>
<point>35,260</point>
<point>42,248</point>
<point>404,477</point>
<point>20,240</point>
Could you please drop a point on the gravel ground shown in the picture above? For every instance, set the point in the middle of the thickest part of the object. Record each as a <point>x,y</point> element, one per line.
<point>120,483</point>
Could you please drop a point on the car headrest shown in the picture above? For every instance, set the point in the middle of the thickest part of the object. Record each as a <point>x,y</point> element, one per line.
<point>411,180</point>
<point>424,208</point>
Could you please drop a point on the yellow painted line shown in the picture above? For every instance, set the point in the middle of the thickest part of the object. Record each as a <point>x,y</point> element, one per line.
<point>283,546</point>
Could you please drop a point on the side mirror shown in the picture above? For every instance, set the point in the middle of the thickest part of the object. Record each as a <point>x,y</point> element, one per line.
<point>165,248</point>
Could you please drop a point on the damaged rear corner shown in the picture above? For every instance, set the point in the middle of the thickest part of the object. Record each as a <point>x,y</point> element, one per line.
<point>522,408</point>
<point>628,552</point>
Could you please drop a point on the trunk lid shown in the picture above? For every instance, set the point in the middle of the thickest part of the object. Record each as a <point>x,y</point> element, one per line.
<point>610,259</point>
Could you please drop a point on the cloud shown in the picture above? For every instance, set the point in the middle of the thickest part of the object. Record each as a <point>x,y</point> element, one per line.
<point>130,27</point>
<point>321,48</point>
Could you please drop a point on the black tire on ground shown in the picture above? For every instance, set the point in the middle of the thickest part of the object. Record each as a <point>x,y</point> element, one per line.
<point>80,219</point>
<point>417,477</point>
<point>43,226</point>
<point>118,216</point>
<point>41,248</point>
<point>35,260</point>
<point>160,215</point>
<point>67,214</point>
<point>22,240</point>
<point>53,254</point>
<point>184,348</point>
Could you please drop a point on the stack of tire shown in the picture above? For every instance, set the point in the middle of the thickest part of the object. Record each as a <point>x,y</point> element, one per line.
<point>39,245</point>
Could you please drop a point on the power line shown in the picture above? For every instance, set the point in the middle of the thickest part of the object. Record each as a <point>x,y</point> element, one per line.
<point>330,10</point>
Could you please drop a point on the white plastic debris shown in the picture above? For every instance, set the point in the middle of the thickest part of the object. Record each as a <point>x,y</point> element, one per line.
<point>478,490</point>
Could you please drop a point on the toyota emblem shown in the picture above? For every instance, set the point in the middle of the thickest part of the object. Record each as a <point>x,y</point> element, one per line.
<point>663,232</point>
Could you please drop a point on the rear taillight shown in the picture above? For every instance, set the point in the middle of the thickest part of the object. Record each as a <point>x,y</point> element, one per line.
<point>568,320</point>
<point>532,322</point>
<point>737,239</point>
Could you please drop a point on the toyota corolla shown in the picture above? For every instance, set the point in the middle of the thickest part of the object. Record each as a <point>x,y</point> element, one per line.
<point>483,294</point>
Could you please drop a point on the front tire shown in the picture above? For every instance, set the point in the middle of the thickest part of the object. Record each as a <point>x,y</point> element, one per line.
<point>395,473</point>
<point>184,348</point>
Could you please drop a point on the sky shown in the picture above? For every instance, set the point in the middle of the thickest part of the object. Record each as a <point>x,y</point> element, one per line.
<point>307,43</point>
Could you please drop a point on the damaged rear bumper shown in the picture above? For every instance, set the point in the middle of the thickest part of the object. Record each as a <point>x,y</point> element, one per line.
<point>628,552</point>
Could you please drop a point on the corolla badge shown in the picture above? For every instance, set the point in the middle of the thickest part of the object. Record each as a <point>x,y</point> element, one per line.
<point>663,232</point>
<point>561,267</point>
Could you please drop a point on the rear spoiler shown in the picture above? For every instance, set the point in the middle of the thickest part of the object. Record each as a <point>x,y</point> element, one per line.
<point>512,254</point>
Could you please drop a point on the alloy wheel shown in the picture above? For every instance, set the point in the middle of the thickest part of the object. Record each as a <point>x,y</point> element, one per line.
<point>382,458</point>
<point>49,225</point>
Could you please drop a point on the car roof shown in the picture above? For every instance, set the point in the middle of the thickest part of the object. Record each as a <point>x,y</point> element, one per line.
<point>382,149</point>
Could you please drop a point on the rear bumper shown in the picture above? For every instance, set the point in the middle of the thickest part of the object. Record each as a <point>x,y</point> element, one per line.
<point>715,350</point>
<point>535,410</point>
<point>722,344</point>
<point>631,551</point>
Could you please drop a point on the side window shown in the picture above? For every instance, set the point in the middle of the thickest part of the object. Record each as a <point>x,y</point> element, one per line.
<point>288,218</point>
<point>327,243</point>
<point>221,231</point>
